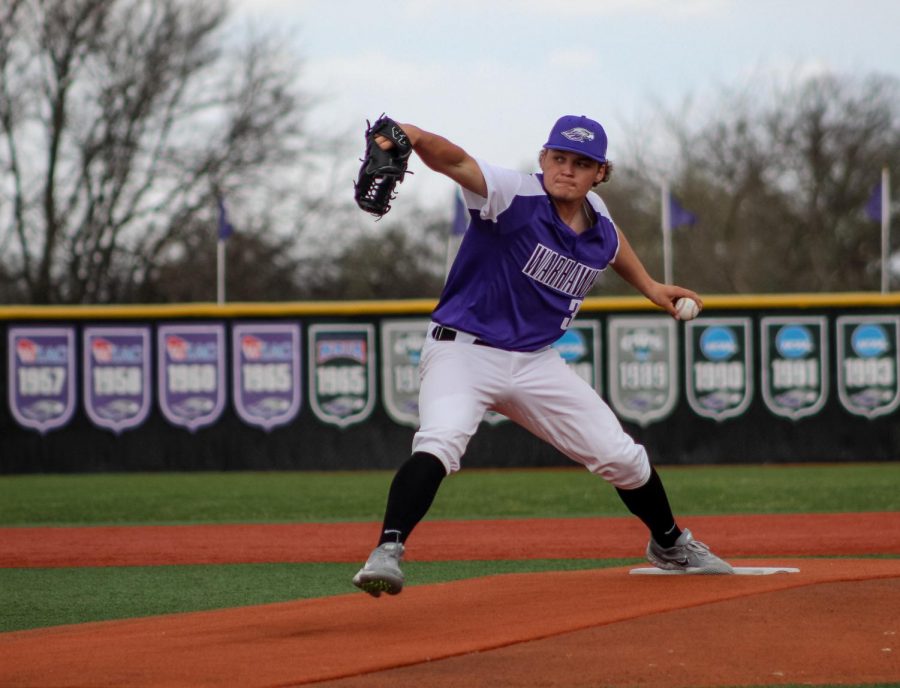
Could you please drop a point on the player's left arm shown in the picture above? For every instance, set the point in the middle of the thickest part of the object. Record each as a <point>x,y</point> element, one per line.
<point>632,270</point>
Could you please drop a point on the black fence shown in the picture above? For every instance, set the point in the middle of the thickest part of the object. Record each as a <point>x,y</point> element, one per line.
<point>318,386</point>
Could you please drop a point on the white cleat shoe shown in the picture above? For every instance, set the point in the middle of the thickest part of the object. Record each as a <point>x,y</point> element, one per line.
<point>688,555</point>
<point>381,572</point>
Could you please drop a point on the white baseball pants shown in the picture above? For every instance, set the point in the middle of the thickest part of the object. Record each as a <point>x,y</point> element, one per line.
<point>460,381</point>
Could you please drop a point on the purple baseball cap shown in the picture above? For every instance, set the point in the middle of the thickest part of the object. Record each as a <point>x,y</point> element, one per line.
<point>578,135</point>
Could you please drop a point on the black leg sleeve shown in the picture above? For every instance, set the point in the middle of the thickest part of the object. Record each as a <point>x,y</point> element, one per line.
<point>650,504</point>
<point>412,492</point>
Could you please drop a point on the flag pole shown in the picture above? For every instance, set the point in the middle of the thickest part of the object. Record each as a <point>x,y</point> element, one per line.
<point>666,233</point>
<point>885,229</point>
<point>220,271</point>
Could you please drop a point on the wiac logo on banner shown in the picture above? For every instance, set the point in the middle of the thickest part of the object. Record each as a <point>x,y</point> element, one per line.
<point>191,373</point>
<point>794,353</point>
<point>868,359</point>
<point>401,349</point>
<point>718,366</point>
<point>117,376</point>
<point>41,376</point>
<point>342,373</point>
<point>643,362</point>
<point>266,359</point>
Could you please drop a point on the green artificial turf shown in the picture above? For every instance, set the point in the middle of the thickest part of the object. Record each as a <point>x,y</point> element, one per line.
<point>278,497</point>
<point>31,598</point>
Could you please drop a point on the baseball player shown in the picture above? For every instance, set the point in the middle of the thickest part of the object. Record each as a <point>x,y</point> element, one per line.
<point>534,247</point>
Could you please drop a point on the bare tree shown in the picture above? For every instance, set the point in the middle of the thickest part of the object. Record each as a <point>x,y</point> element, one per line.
<point>121,122</point>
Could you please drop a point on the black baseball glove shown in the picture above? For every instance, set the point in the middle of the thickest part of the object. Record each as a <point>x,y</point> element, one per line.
<point>381,170</point>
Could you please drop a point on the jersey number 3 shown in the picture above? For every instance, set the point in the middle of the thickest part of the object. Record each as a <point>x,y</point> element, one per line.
<point>574,307</point>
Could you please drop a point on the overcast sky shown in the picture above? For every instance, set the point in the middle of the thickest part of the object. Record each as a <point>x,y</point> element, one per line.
<point>493,75</point>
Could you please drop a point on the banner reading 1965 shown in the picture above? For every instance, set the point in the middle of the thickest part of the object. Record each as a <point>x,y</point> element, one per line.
<point>266,373</point>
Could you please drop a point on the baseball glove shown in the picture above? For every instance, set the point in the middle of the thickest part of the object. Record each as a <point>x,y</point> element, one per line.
<point>381,170</point>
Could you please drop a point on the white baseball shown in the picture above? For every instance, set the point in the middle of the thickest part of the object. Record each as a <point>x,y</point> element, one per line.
<point>686,308</point>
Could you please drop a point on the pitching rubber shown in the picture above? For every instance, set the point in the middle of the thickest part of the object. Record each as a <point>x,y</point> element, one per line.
<point>738,571</point>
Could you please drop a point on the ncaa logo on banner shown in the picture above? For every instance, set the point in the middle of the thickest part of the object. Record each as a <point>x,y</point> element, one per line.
<point>642,365</point>
<point>191,373</point>
<point>342,373</point>
<point>868,360</point>
<point>579,347</point>
<point>794,365</point>
<point>41,383</point>
<point>401,348</point>
<point>117,376</point>
<point>266,371</point>
<point>718,366</point>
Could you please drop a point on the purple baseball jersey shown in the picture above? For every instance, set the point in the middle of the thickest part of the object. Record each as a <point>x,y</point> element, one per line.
<point>521,273</point>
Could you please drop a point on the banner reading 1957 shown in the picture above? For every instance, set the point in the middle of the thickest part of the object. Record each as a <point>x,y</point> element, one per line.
<point>42,376</point>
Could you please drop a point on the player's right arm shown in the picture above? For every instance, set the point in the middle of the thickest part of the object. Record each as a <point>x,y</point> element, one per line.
<point>445,157</point>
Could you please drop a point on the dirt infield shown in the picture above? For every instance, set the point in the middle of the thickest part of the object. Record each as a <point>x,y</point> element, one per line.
<point>836,621</point>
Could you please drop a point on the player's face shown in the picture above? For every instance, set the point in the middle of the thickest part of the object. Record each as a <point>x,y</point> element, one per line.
<point>569,176</point>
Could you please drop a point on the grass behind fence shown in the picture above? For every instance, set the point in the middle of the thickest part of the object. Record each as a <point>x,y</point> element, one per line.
<point>279,497</point>
<point>39,597</point>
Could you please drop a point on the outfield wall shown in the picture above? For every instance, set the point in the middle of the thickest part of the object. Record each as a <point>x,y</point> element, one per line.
<point>333,385</point>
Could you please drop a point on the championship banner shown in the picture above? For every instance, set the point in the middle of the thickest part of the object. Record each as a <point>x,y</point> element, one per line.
<point>579,347</point>
<point>117,376</point>
<point>191,373</point>
<point>868,357</point>
<point>266,388</point>
<point>643,365</point>
<point>342,373</point>
<point>401,347</point>
<point>718,366</point>
<point>794,353</point>
<point>41,376</point>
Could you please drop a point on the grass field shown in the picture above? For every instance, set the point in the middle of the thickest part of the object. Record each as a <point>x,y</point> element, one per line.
<point>40,597</point>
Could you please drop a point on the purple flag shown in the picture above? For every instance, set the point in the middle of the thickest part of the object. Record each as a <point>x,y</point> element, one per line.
<point>873,206</point>
<point>678,216</point>
<point>226,229</point>
<point>460,216</point>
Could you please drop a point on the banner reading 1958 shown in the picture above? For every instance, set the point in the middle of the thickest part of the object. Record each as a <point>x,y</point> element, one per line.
<point>117,376</point>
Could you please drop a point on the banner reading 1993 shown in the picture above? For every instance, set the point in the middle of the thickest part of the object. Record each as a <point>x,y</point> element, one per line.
<point>868,360</point>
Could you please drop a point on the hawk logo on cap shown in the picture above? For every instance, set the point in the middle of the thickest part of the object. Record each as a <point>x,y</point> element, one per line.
<point>579,134</point>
